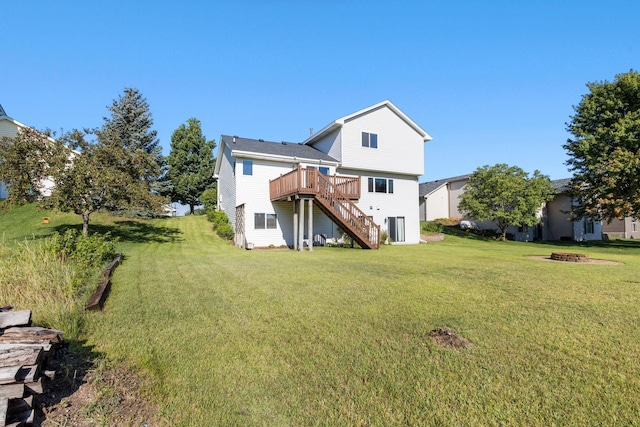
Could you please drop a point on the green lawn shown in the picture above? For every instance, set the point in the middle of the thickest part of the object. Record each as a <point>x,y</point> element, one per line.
<point>341,337</point>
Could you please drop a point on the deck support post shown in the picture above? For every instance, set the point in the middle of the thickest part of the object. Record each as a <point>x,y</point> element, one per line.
<point>301,226</point>
<point>310,226</point>
<point>295,224</point>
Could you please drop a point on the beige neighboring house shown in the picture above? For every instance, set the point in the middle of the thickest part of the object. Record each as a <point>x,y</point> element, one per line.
<point>440,199</point>
<point>627,228</point>
<point>9,127</point>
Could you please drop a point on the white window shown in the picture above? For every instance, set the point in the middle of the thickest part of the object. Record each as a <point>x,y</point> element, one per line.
<point>369,140</point>
<point>262,221</point>
<point>247,167</point>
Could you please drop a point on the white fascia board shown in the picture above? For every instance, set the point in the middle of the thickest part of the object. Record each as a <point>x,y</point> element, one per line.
<point>325,130</point>
<point>216,169</point>
<point>338,123</point>
<point>276,158</point>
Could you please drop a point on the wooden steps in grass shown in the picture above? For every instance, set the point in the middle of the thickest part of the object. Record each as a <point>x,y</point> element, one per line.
<point>25,353</point>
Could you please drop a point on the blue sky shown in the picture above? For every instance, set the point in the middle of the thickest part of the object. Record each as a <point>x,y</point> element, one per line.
<point>492,81</point>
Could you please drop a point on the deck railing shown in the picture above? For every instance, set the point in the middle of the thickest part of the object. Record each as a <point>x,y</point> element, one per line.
<point>304,181</point>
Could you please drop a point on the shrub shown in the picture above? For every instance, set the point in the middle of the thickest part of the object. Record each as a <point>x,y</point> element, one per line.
<point>225,231</point>
<point>54,278</point>
<point>427,227</point>
<point>209,199</point>
<point>221,224</point>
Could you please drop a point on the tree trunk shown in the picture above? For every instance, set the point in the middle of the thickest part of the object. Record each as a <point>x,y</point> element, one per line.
<point>191,209</point>
<point>85,224</point>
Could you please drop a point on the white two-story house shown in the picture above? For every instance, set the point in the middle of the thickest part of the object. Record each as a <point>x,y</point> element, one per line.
<point>358,176</point>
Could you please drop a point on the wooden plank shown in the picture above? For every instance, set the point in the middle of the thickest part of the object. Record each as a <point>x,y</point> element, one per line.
<point>15,318</point>
<point>18,355</point>
<point>8,374</point>
<point>34,334</point>
<point>34,387</point>
<point>21,410</point>
<point>27,374</point>
<point>46,346</point>
<point>11,391</point>
<point>97,299</point>
<point>4,405</point>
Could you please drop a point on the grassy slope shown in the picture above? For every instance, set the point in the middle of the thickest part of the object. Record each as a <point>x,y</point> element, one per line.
<point>340,337</point>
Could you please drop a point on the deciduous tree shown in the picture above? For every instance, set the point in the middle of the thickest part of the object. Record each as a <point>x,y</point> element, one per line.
<point>191,164</point>
<point>99,176</point>
<point>24,164</point>
<point>505,194</point>
<point>605,149</point>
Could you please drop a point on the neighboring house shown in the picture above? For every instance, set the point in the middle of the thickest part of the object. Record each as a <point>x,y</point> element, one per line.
<point>440,199</point>
<point>358,175</point>
<point>9,128</point>
<point>627,228</point>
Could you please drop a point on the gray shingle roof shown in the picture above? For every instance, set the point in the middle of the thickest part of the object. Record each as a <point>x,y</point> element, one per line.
<point>427,188</point>
<point>562,185</point>
<point>2,112</point>
<point>289,149</point>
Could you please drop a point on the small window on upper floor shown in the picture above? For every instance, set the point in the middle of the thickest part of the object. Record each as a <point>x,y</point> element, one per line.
<point>323,170</point>
<point>369,140</point>
<point>247,167</point>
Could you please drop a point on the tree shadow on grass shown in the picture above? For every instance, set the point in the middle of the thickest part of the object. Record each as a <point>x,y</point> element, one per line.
<point>481,235</point>
<point>131,231</point>
<point>72,362</point>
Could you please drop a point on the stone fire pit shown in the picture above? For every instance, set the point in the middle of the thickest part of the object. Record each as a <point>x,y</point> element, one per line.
<point>569,257</point>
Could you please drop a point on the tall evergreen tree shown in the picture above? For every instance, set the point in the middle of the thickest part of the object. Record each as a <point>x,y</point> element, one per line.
<point>191,164</point>
<point>130,126</point>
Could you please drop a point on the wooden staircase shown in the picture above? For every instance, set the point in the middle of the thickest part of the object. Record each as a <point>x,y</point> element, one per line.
<point>332,194</point>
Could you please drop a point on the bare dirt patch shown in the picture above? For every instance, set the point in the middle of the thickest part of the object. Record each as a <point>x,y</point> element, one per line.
<point>590,260</point>
<point>445,337</point>
<point>82,394</point>
<point>433,237</point>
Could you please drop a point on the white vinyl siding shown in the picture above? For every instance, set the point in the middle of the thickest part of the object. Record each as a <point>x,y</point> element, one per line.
<point>227,185</point>
<point>400,147</point>
<point>436,205</point>
<point>402,202</point>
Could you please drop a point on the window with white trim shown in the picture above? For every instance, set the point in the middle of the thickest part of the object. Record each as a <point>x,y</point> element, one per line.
<point>247,167</point>
<point>263,221</point>
<point>369,140</point>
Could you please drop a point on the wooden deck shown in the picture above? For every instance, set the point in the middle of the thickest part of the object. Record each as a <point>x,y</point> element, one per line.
<point>305,182</point>
<point>334,195</point>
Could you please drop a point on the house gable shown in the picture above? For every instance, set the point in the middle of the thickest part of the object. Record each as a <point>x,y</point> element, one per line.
<point>398,141</point>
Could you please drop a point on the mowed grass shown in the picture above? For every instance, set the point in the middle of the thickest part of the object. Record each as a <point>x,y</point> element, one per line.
<point>341,337</point>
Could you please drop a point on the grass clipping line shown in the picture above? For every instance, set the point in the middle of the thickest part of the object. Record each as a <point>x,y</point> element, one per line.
<point>447,338</point>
